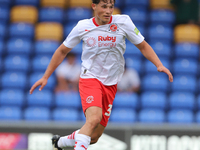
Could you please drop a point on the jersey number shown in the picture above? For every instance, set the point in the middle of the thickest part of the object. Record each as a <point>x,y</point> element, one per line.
<point>109,110</point>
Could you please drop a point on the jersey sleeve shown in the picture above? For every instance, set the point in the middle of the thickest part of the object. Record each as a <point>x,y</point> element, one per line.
<point>73,38</point>
<point>132,33</point>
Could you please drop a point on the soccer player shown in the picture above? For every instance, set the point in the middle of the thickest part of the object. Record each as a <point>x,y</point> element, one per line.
<point>102,67</point>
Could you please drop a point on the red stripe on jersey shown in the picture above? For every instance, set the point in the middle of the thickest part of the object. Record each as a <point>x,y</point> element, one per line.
<point>95,23</point>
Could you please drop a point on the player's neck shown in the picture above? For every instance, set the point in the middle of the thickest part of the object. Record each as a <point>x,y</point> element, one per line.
<point>100,22</point>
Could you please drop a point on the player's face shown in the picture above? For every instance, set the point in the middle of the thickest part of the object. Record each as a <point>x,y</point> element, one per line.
<point>103,11</point>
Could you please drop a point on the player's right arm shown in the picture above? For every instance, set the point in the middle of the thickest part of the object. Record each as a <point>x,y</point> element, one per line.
<point>56,59</point>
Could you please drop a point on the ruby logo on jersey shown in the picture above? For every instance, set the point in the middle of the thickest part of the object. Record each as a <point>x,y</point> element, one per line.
<point>89,99</point>
<point>91,42</point>
<point>107,38</point>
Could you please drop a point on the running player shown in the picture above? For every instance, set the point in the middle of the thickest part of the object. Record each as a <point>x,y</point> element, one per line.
<point>102,67</point>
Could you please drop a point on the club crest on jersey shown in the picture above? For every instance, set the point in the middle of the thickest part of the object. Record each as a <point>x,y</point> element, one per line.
<point>91,42</point>
<point>113,27</point>
<point>89,99</point>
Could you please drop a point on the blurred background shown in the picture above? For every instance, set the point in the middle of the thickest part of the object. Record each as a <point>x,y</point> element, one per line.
<point>149,112</point>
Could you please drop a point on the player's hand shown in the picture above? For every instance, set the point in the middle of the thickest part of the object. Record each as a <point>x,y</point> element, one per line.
<point>165,70</point>
<point>42,82</point>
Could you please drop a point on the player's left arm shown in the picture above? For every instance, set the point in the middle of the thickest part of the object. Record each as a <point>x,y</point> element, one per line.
<point>149,53</point>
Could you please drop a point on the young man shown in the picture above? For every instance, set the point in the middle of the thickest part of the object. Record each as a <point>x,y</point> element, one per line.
<point>102,67</point>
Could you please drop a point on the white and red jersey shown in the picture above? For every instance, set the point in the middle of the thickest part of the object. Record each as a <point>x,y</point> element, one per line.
<point>104,46</point>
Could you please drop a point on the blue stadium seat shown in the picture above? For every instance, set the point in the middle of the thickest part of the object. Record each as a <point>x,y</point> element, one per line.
<point>198,101</point>
<point>12,97</point>
<point>138,15</point>
<point>134,63</point>
<point>127,115</point>
<point>16,63</point>
<point>6,3</point>
<point>132,50</point>
<point>19,46</point>
<point>162,49</point>
<point>14,80</point>
<point>160,32</point>
<point>78,13</point>
<point>10,113</point>
<point>126,100</point>
<point>180,116</point>
<point>68,99</point>
<point>21,30</point>
<point>119,4</point>
<point>158,82</point>
<point>134,3</point>
<point>186,50</point>
<point>185,66</point>
<point>68,27</point>
<point>184,83</point>
<point>51,14</point>
<point>151,116</point>
<point>40,98</point>
<point>2,46</point>
<point>149,67</point>
<point>1,66</point>
<point>4,14</point>
<point>37,75</point>
<point>3,31</point>
<point>162,16</point>
<point>154,100</point>
<point>182,100</point>
<point>197,117</point>
<point>46,47</point>
<point>65,114</point>
<point>27,2</point>
<point>40,62</point>
<point>37,113</point>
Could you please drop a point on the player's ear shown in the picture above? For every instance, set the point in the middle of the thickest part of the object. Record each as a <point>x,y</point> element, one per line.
<point>93,6</point>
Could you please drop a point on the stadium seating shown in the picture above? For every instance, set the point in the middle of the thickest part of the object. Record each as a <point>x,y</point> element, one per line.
<point>186,50</point>
<point>162,16</point>
<point>134,63</point>
<point>24,13</point>
<point>68,99</point>
<point>184,83</point>
<point>40,62</point>
<point>151,116</point>
<point>80,3</point>
<point>27,2</point>
<point>163,4</point>
<point>158,82</point>
<point>143,3</point>
<point>3,32</point>
<point>4,14</point>
<point>18,46</point>
<point>10,113</point>
<point>12,97</point>
<point>68,27</point>
<point>52,3</point>
<point>162,49</point>
<point>187,33</point>
<point>17,63</point>
<point>46,47</point>
<point>51,14</point>
<point>123,115</point>
<point>65,114</point>
<point>21,30</point>
<point>49,31</point>
<point>197,117</point>
<point>132,50</point>
<point>37,75</point>
<point>40,98</point>
<point>37,114</point>
<point>185,66</point>
<point>6,3</point>
<point>182,100</point>
<point>180,116</point>
<point>78,13</point>
<point>126,100</point>
<point>14,80</point>
<point>154,100</point>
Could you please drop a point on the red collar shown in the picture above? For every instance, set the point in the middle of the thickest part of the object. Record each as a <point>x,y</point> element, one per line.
<point>93,19</point>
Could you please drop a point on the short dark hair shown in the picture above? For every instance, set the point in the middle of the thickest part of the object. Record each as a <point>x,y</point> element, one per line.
<point>98,1</point>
